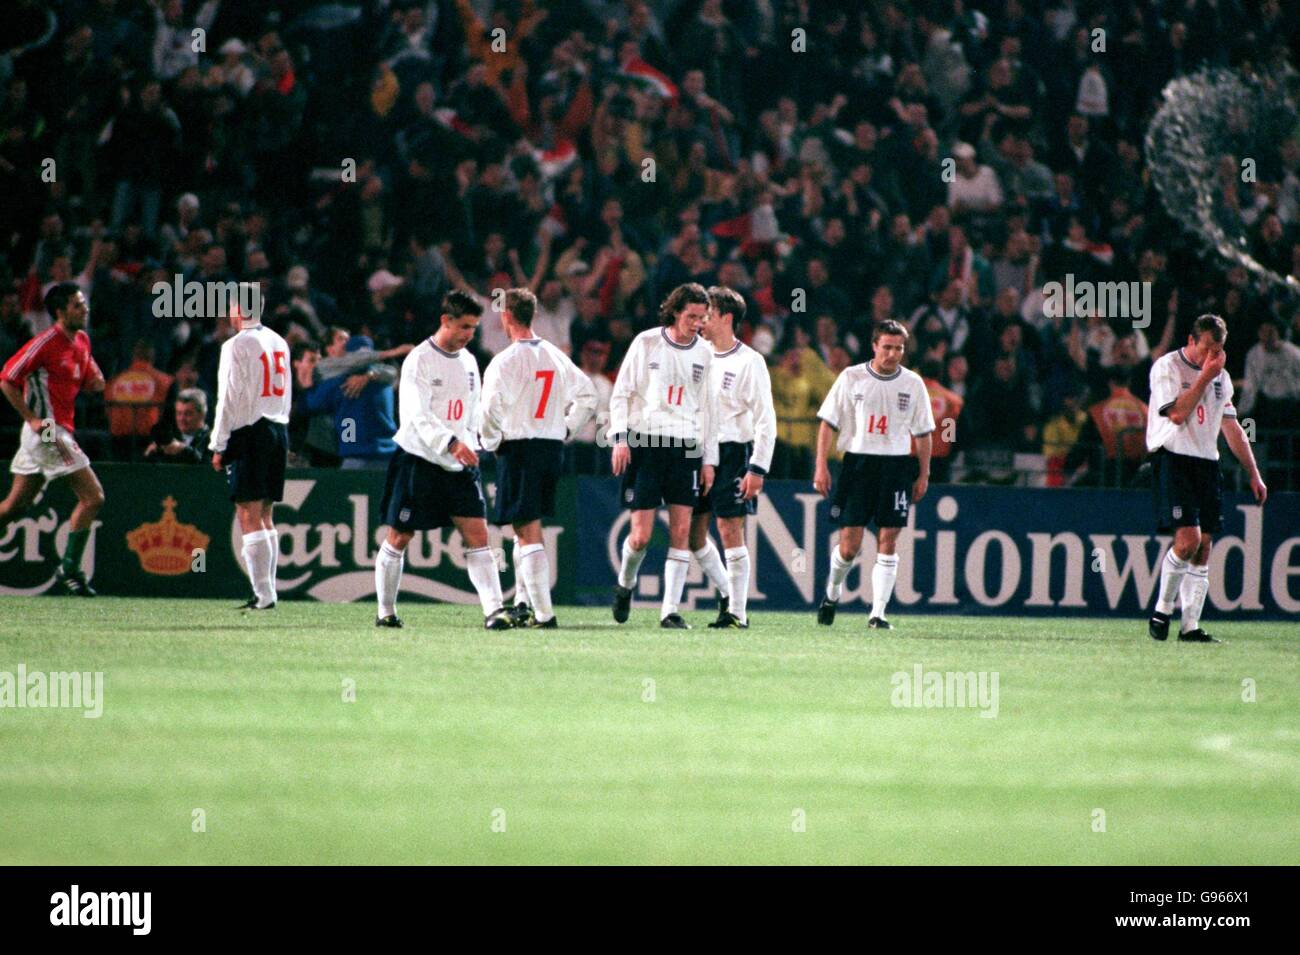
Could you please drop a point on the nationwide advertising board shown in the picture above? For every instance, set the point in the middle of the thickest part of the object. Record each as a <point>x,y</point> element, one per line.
<point>170,531</point>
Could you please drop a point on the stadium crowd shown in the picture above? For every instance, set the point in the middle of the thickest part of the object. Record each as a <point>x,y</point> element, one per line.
<point>839,163</point>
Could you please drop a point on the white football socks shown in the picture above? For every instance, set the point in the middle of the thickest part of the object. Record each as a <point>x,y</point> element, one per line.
<point>388,578</point>
<point>534,568</point>
<point>521,585</point>
<point>839,570</point>
<point>482,567</point>
<point>1192,593</point>
<point>256,549</point>
<point>275,558</point>
<point>675,569</point>
<point>883,576</point>
<point>631,565</point>
<point>738,578</point>
<point>711,563</point>
<point>1172,569</point>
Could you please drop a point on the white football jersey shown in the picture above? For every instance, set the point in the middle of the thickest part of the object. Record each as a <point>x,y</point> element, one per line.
<point>664,389</point>
<point>438,399</point>
<point>746,412</point>
<point>875,414</point>
<point>254,381</point>
<point>1198,436</point>
<point>533,390</point>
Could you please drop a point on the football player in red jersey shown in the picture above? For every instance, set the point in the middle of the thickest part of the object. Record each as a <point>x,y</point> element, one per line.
<point>42,380</point>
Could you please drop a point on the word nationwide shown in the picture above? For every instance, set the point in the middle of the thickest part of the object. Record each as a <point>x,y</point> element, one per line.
<point>58,689</point>
<point>103,908</point>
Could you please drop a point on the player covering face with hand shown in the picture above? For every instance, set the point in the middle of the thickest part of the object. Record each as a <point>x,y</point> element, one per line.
<point>746,439</point>
<point>663,420</point>
<point>433,478</point>
<point>1191,405</point>
<point>875,408</point>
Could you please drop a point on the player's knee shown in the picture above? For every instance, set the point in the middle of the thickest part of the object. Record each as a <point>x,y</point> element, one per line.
<point>638,541</point>
<point>93,498</point>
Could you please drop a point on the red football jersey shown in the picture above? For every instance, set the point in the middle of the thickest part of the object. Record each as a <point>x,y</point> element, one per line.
<point>53,368</point>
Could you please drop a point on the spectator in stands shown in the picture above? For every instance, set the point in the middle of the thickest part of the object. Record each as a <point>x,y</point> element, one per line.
<point>1112,444</point>
<point>362,411</point>
<point>185,439</point>
<point>135,398</point>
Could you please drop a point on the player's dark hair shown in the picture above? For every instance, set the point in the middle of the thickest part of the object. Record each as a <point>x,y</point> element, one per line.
<point>1213,324</point>
<point>521,303</point>
<point>458,304</point>
<point>727,301</point>
<point>57,298</point>
<point>888,327</point>
<point>692,293</point>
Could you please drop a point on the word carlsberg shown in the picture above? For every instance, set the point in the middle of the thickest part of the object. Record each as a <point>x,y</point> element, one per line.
<point>103,908</point>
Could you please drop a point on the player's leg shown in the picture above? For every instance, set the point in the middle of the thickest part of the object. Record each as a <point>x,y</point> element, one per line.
<point>22,492</point>
<point>1191,593</point>
<point>273,538</point>
<point>676,566</point>
<point>640,528</point>
<point>883,575</point>
<point>533,570</point>
<point>732,532</point>
<point>523,603</point>
<point>842,557</point>
<point>388,575</point>
<point>483,573</point>
<point>706,552</point>
<point>1177,561</point>
<point>90,498</point>
<point>256,551</point>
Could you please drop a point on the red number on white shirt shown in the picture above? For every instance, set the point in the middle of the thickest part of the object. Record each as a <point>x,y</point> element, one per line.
<point>680,390</point>
<point>455,409</point>
<point>548,379</point>
<point>879,425</point>
<point>267,388</point>
<point>1200,414</point>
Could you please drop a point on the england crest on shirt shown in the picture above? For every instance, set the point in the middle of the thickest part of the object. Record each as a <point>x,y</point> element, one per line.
<point>728,379</point>
<point>697,373</point>
<point>1218,389</point>
<point>904,399</point>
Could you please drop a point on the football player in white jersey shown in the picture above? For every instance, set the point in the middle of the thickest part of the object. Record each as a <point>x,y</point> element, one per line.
<point>1191,405</point>
<point>877,408</point>
<point>746,439</point>
<point>433,478</point>
<point>250,436</point>
<point>663,421</point>
<point>534,399</point>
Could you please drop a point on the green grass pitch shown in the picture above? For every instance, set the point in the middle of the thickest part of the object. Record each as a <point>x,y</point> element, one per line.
<point>780,744</point>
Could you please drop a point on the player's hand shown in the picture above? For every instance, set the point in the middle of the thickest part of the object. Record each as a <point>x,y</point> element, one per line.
<point>36,424</point>
<point>216,462</point>
<point>355,384</point>
<point>620,459</point>
<point>751,485</point>
<point>706,479</point>
<point>463,453</point>
<point>1213,365</point>
<point>920,487</point>
<point>1259,487</point>
<point>822,480</point>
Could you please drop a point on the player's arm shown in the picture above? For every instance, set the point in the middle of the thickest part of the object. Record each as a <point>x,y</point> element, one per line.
<point>923,434</point>
<point>710,418</point>
<point>227,392</point>
<point>94,381</point>
<point>1240,445</point>
<point>626,386</point>
<point>15,397</point>
<point>829,413</point>
<point>1183,405</point>
<point>494,401</point>
<point>582,398</point>
<point>764,412</point>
